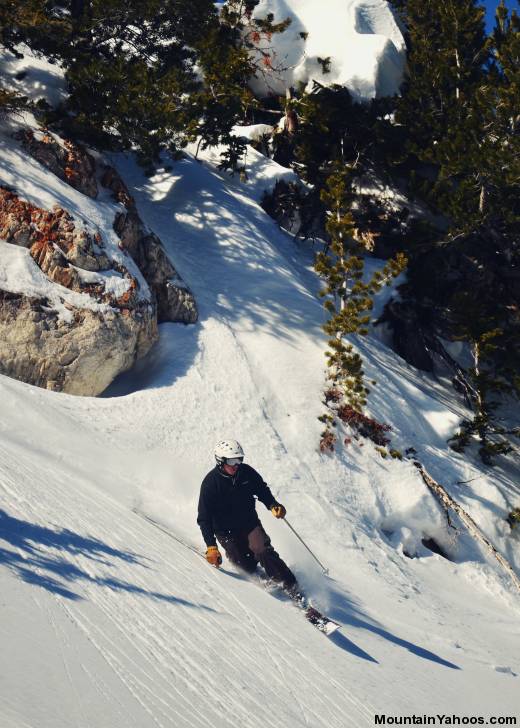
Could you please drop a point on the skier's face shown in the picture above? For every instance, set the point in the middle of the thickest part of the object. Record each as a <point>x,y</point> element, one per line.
<point>231,466</point>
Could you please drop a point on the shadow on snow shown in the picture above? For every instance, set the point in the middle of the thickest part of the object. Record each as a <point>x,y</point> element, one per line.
<point>168,360</point>
<point>38,556</point>
<point>339,639</point>
<point>345,611</point>
<point>220,243</point>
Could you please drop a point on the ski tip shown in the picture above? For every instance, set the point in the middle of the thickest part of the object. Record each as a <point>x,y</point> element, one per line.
<point>321,622</point>
<point>330,628</point>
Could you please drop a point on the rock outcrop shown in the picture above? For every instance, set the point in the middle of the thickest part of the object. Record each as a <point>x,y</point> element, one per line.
<point>24,224</point>
<point>73,164</point>
<point>79,356</point>
<point>103,316</point>
<point>59,249</point>
<point>70,162</point>
<point>106,330</point>
<point>175,301</point>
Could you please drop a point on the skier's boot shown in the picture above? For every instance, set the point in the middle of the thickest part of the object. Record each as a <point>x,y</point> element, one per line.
<point>294,592</point>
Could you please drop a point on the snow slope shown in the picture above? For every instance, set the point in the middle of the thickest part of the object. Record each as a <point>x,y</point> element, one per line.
<point>108,622</point>
<point>360,37</point>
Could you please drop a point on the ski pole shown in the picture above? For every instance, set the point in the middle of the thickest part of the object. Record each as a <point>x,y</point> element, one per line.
<point>325,571</point>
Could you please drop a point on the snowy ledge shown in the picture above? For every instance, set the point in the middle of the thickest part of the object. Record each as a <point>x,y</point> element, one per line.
<point>20,274</point>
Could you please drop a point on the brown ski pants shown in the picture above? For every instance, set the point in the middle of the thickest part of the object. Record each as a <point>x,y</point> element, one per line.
<point>247,549</point>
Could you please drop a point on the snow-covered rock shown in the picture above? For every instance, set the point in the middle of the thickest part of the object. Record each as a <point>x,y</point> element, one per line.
<point>361,39</point>
<point>83,282</point>
<point>80,354</point>
<point>253,132</point>
<point>71,319</point>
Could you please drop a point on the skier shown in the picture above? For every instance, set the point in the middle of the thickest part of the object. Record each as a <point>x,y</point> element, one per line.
<point>227,513</point>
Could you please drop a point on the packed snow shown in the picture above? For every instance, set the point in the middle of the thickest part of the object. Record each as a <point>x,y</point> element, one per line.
<point>260,174</point>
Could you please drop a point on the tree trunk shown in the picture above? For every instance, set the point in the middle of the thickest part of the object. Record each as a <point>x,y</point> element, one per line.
<point>480,406</point>
<point>449,503</point>
<point>457,62</point>
<point>483,199</point>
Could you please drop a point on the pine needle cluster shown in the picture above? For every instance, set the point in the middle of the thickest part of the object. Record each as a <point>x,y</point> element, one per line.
<point>514,518</point>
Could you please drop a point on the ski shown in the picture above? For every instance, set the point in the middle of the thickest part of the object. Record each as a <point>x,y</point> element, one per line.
<point>325,624</point>
<point>298,599</point>
<point>319,620</point>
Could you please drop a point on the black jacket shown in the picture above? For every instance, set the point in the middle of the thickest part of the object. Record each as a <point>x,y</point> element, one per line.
<point>228,503</point>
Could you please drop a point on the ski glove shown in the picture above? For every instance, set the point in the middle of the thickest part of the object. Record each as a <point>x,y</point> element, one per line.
<point>213,556</point>
<point>278,510</point>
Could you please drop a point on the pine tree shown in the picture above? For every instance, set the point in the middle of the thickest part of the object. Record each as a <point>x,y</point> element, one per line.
<point>500,104</point>
<point>468,86</point>
<point>151,76</point>
<point>446,56</point>
<point>485,165</point>
<point>447,63</point>
<point>332,125</point>
<point>254,33</point>
<point>130,68</point>
<point>348,298</point>
<point>238,49</point>
<point>24,21</point>
<point>479,181</point>
<point>479,323</point>
<point>11,102</point>
<point>457,78</point>
<point>225,98</point>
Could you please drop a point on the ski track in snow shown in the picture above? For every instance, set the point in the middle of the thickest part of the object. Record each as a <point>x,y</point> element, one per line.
<point>153,655</point>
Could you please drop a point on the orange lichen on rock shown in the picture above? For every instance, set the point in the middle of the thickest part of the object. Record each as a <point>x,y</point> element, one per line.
<point>128,296</point>
<point>52,262</point>
<point>80,169</point>
<point>22,223</point>
<point>68,161</point>
<point>50,236</point>
<point>63,276</point>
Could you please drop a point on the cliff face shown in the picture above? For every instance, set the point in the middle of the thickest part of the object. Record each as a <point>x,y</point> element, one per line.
<point>79,304</point>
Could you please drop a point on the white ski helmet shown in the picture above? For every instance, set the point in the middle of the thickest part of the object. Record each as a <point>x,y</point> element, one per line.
<point>226,449</point>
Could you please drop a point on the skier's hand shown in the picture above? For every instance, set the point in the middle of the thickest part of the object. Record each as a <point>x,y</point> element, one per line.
<point>213,556</point>
<point>278,510</point>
